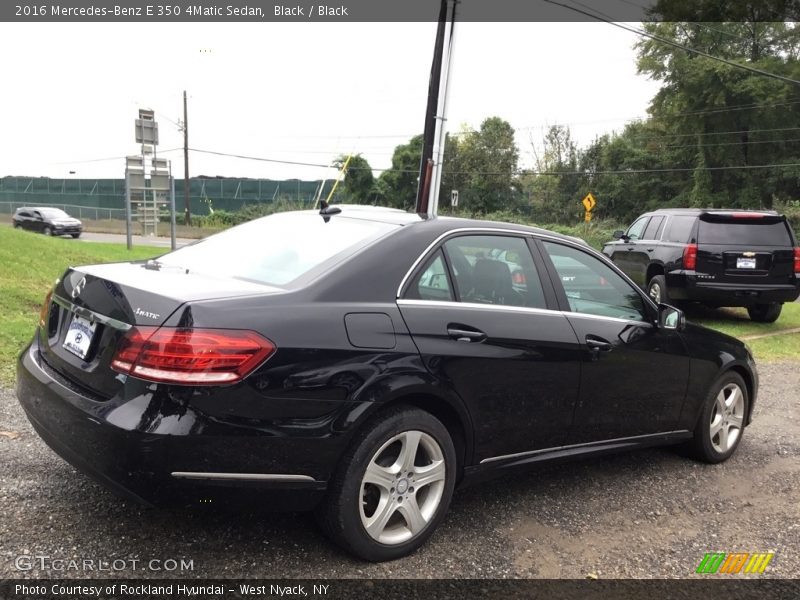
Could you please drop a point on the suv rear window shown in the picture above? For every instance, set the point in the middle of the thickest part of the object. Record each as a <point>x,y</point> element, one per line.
<point>679,229</point>
<point>748,232</point>
<point>279,249</point>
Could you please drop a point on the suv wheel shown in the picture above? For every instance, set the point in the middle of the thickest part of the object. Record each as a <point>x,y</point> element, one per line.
<point>47,231</point>
<point>765,313</point>
<point>721,424</point>
<point>657,290</point>
<point>393,488</point>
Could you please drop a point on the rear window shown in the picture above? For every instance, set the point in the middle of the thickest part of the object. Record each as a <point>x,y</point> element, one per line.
<point>680,227</point>
<point>749,232</point>
<point>279,249</point>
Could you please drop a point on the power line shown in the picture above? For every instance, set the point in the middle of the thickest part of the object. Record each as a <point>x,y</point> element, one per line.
<point>740,143</point>
<point>675,44</point>
<point>93,160</point>
<point>518,171</point>
<point>681,135</point>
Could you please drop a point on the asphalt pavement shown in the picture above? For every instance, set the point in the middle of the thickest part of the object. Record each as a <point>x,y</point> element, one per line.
<point>138,240</point>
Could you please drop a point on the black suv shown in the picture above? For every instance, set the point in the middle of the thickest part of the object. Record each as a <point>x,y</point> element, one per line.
<point>717,257</point>
<point>47,220</point>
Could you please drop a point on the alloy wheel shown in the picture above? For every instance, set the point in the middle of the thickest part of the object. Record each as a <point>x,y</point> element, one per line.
<point>402,487</point>
<point>655,292</point>
<point>727,418</point>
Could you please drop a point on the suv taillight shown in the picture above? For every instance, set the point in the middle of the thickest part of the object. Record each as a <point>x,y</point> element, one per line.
<point>191,356</point>
<point>797,260</point>
<point>690,257</point>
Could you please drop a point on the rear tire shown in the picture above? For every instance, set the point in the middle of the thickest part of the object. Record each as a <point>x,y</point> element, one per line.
<point>384,503</point>
<point>657,290</point>
<point>721,425</point>
<point>765,313</point>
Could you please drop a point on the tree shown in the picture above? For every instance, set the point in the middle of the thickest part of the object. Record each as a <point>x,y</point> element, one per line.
<point>738,118</point>
<point>398,185</point>
<point>358,181</point>
<point>484,164</point>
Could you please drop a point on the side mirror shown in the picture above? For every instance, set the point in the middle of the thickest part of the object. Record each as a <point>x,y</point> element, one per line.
<point>671,318</point>
<point>620,235</point>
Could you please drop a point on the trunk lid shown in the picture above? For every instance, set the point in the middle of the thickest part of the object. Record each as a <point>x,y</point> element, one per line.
<point>94,306</point>
<point>745,248</point>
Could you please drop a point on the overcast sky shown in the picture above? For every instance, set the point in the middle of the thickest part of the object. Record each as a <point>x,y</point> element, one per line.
<point>298,91</point>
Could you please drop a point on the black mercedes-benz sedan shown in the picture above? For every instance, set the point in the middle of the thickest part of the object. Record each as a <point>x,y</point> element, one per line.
<point>362,362</point>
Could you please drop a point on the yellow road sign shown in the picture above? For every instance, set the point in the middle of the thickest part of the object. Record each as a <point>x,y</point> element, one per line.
<point>588,202</point>
<point>587,217</point>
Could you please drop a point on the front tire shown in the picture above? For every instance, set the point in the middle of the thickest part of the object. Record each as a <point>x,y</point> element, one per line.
<point>75,236</point>
<point>393,488</point>
<point>47,231</point>
<point>765,313</point>
<point>721,425</point>
<point>657,290</point>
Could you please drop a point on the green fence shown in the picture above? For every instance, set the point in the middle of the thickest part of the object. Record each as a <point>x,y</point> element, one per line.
<point>109,194</point>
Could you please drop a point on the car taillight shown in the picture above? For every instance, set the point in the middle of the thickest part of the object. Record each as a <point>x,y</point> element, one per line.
<point>44,313</point>
<point>690,257</point>
<point>797,260</point>
<point>191,356</point>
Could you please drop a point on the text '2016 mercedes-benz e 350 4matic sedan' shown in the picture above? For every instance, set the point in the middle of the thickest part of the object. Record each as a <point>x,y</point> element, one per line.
<point>362,362</point>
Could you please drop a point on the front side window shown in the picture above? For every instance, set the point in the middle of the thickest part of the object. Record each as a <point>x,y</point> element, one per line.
<point>636,230</point>
<point>495,269</point>
<point>592,287</point>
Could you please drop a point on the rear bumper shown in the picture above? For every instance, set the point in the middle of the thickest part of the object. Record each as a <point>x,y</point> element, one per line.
<point>145,448</point>
<point>686,285</point>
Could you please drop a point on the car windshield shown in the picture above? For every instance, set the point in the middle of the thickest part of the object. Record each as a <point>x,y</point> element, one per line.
<point>53,213</point>
<point>279,249</point>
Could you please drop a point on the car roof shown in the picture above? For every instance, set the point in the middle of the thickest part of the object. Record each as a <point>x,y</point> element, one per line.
<point>399,217</point>
<point>708,211</point>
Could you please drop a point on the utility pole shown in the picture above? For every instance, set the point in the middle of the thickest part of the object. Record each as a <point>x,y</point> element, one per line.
<point>187,211</point>
<point>430,168</point>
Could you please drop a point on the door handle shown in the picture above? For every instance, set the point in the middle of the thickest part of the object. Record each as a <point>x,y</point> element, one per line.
<point>464,333</point>
<point>597,344</point>
<point>650,249</point>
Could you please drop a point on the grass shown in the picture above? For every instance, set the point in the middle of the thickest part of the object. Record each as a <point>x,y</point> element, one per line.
<point>735,322</point>
<point>29,264</point>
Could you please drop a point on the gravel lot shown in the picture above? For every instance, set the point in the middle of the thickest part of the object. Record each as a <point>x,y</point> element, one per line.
<point>645,514</point>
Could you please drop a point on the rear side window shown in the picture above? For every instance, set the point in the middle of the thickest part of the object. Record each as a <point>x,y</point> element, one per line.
<point>279,249</point>
<point>494,269</point>
<point>679,229</point>
<point>432,283</point>
<point>651,233</point>
<point>747,232</point>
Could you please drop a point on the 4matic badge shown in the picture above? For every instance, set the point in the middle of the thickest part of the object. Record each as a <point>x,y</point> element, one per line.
<point>146,313</point>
